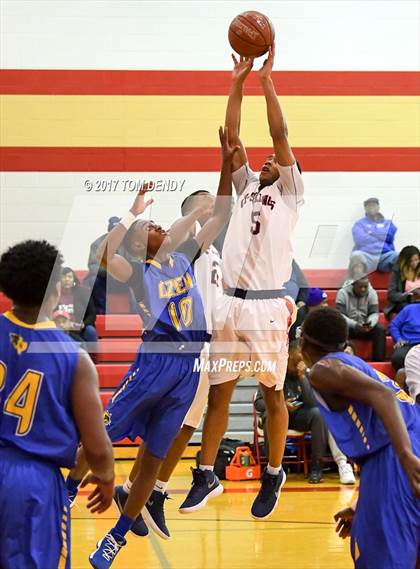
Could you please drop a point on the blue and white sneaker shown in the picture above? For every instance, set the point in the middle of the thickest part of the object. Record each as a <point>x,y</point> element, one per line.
<point>106,551</point>
<point>205,485</point>
<point>139,527</point>
<point>269,494</point>
<point>154,514</point>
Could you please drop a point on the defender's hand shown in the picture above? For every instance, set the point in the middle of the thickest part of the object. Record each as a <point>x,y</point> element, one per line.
<point>139,204</point>
<point>241,68</point>
<point>100,498</point>
<point>228,150</point>
<point>345,521</point>
<point>267,68</point>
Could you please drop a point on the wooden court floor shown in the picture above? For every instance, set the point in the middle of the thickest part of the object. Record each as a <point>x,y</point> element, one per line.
<point>300,535</point>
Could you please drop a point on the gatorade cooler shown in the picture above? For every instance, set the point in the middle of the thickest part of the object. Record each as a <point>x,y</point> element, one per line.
<point>243,466</point>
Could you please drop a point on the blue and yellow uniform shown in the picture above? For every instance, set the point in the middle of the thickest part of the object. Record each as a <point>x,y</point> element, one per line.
<point>386,528</point>
<point>37,437</point>
<point>158,389</point>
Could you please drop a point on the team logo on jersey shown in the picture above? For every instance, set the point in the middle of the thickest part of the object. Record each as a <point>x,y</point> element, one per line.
<point>18,343</point>
<point>257,197</point>
<point>107,418</point>
<point>175,287</point>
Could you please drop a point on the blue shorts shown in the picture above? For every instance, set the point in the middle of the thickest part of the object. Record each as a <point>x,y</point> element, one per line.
<point>153,399</point>
<point>386,527</point>
<point>34,513</point>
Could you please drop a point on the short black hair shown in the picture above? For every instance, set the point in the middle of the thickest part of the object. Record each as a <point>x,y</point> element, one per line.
<point>184,205</point>
<point>327,327</point>
<point>29,271</point>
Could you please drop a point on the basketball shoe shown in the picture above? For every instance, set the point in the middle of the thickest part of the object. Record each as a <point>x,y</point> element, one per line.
<point>205,485</point>
<point>269,494</point>
<point>154,513</point>
<point>139,528</point>
<point>106,551</point>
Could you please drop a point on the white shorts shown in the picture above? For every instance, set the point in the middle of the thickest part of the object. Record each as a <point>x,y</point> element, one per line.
<point>198,406</point>
<point>250,338</point>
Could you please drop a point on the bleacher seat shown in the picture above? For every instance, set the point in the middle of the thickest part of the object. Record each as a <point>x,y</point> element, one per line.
<point>364,348</point>
<point>117,349</point>
<point>118,325</point>
<point>5,303</point>
<point>110,375</point>
<point>384,367</point>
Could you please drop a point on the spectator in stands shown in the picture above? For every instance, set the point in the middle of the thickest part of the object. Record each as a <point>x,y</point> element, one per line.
<point>405,278</point>
<point>304,416</point>
<point>316,298</point>
<point>412,372</point>
<point>99,280</point>
<point>76,301</point>
<point>358,303</point>
<point>297,287</point>
<point>373,237</point>
<point>63,321</point>
<point>405,331</point>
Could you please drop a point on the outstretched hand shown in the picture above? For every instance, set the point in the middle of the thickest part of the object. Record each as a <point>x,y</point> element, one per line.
<point>267,67</point>
<point>241,68</point>
<point>228,150</point>
<point>139,205</point>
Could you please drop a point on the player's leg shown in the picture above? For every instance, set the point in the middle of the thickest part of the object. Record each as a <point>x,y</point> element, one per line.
<point>206,485</point>
<point>345,469</point>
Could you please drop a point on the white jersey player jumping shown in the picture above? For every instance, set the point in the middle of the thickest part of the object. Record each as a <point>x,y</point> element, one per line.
<point>252,319</point>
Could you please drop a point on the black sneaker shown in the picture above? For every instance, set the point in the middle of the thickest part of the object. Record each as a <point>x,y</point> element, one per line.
<point>205,485</point>
<point>269,494</point>
<point>315,476</point>
<point>139,527</point>
<point>154,513</point>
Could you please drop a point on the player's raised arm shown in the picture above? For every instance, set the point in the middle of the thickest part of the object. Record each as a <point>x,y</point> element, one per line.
<point>276,120</point>
<point>116,265</point>
<point>233,110</point>
<point>332,376</point>
<point>222,207</point>
<point>88,416</point>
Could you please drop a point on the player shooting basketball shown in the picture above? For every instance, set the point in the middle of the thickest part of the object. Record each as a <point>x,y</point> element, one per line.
<point>252,319</point>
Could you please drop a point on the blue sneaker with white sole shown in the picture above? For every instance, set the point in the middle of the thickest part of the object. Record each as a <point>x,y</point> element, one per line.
<point>269,494</point>
<point>106,551</point>
<point>139,527</point>
<point>205,485</point>
<point>154,514</point>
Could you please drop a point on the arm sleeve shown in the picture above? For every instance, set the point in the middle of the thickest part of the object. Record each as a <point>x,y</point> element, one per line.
<point>190,249</point>
<point>290,184</point>
<point>136,280</point>
<point>395,326</point>
<point>242,177</point>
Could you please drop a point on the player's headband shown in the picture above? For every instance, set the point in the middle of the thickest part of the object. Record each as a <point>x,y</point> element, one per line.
<point>327,347</point>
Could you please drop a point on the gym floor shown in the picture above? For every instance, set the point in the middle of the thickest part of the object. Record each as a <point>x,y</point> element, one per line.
<point>300,535</point>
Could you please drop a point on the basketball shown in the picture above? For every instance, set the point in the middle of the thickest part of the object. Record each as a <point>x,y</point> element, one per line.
<point>251,34</point>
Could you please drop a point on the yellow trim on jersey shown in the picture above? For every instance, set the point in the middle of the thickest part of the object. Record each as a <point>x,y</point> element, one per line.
<point>64,548</point>
<point>358,424</point>
<point>356,551</point>
<point>154,263</point>
<point>38,326</point>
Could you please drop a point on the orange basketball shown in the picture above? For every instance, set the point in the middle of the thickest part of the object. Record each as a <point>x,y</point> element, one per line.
<point>251,34</point>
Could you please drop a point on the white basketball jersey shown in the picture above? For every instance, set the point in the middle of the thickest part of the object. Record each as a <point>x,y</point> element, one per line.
<point>257,253</point>
<point>208,274</point>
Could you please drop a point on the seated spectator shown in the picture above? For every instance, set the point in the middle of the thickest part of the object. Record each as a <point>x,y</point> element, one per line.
<point>357,266</point>
<point>405,278</point>
<point>63,321</point>
<point>305,416</point>
<point>316,298</point>
<point>405,331</point>
<point>76,301</point>
<point>297,287</point>
<point>373,237</point>
<point>99,280</point>
<point>350,348</point>
<point>412,372</point>
<point>358,303</point>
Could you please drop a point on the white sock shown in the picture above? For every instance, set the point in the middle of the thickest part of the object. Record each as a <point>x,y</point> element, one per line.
<point>127,486</point>
<point>206,467</point>
<point>341,462</point>
<point>274,470</point>
<point>160,486</point>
